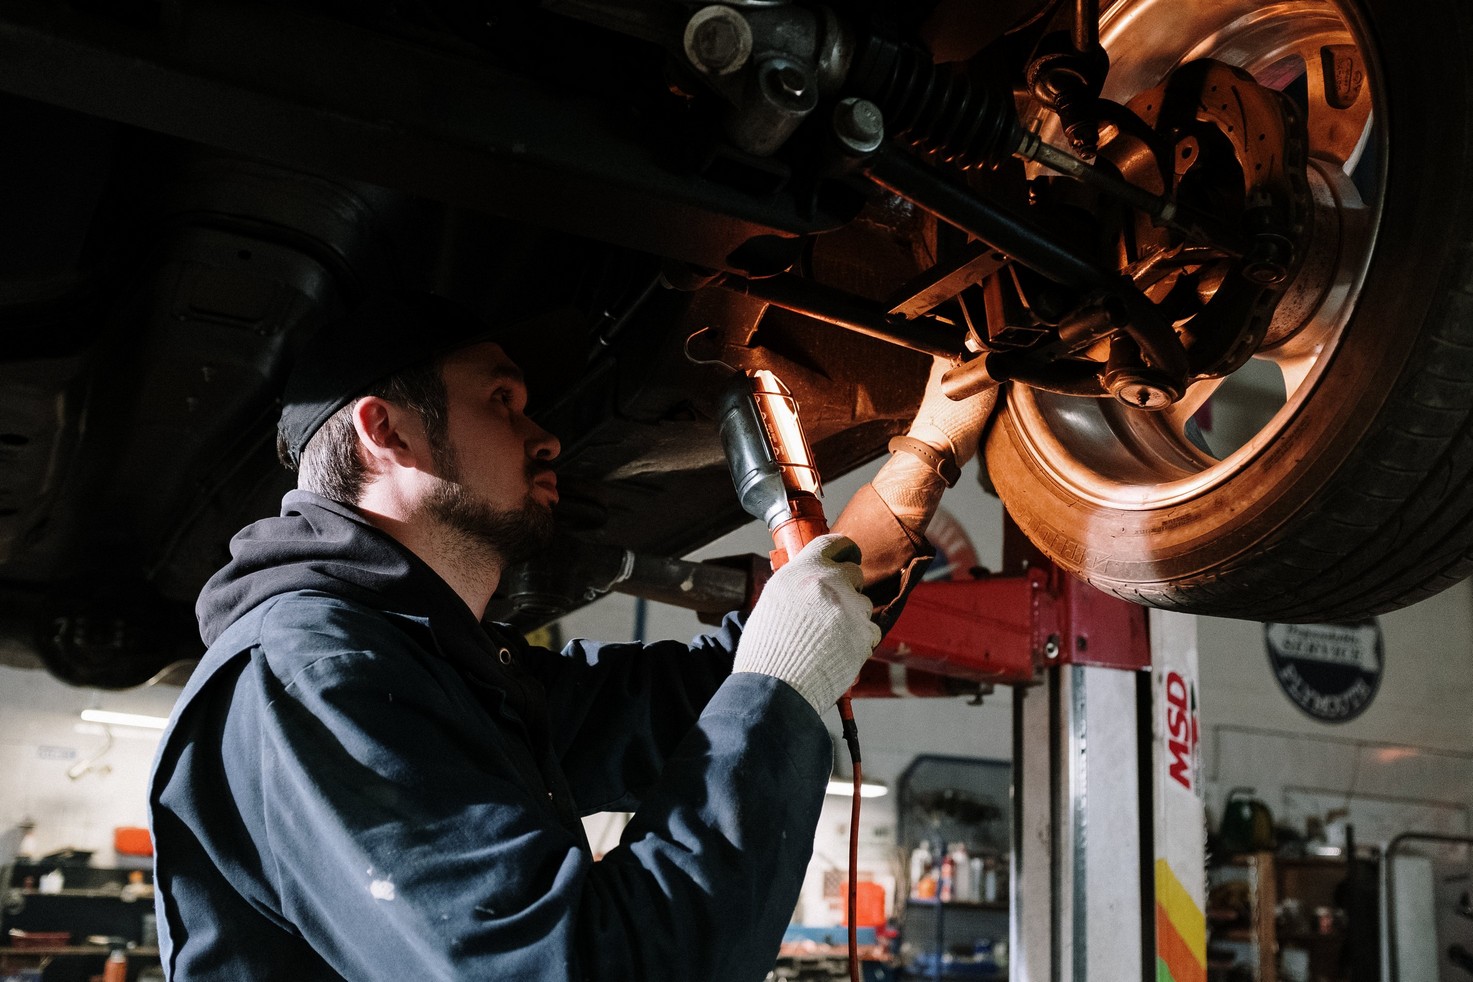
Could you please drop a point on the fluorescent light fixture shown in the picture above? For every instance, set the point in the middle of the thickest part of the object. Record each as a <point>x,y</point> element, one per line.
<point>866,790</point>
<point>124,719</point>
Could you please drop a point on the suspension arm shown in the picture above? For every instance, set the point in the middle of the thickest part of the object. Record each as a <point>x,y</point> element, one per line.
<point>953,202</point>
<point>842,309</point>
<point>1032,246</point>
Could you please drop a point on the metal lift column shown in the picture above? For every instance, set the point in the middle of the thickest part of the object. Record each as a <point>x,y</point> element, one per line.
<point>1108,852</point>
<point>1108,835</point>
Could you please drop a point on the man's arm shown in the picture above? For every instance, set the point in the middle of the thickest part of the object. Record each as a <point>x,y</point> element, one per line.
<point>620,708</point>
<point>887,518</point>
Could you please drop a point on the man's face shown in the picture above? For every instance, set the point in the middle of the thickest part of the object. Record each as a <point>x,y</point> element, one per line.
<point>497,483</point>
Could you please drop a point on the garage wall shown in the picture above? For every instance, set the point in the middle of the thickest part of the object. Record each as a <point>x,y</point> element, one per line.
<point>42,737</point>
<point>1407,761</point>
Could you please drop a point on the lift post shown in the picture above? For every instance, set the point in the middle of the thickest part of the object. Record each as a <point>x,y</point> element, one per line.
<point>1108,879</point>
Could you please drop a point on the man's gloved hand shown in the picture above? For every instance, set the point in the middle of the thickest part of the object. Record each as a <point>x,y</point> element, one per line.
<point>811,626</point>
<point>910,483</point>
<point>948,425</point>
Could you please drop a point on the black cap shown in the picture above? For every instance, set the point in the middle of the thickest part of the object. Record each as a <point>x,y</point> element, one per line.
<point>388,332</point>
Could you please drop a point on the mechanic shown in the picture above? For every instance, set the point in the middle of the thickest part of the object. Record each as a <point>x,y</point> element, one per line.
<point>364,781</point>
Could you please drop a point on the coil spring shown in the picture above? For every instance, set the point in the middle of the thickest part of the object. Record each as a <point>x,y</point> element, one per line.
<point>935,108</point>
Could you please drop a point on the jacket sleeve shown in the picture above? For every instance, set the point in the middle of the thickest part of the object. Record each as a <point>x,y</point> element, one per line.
<point>402,845</point>
<point>617,711</point>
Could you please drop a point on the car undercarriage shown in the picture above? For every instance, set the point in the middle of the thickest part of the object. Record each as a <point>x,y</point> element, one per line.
<point>1107,210</point>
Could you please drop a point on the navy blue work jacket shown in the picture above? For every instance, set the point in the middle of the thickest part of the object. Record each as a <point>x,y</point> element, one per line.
<point>353,791</point>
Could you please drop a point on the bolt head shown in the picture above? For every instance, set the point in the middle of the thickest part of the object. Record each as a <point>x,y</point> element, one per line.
<point>1141,395</point>
<point>715,43</point>
<point>859,125</point>
<point>1142,389</point>
<point>718,40</point>
<point>1267,263</point>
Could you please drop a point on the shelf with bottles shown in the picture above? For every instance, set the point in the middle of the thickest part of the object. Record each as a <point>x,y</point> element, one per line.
<point>953,834</point>
<point>982,957</point>
<point>960,878</point>
<point>1284,917</point>
<point>1241,899</point>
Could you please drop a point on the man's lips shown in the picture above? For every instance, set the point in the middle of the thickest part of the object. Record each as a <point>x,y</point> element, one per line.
<point>546,479</point>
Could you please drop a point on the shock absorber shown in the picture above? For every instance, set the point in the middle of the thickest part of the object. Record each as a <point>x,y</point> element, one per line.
<point>935,108</point>
<point>940,110</point>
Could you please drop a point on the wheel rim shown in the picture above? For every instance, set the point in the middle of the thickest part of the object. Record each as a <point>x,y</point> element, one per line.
<point>1116,457</point>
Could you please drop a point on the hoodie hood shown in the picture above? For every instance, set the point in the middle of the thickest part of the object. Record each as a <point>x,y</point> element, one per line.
<point>318,544</point>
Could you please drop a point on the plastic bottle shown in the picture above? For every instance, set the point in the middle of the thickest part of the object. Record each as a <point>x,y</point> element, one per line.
<point>977,866</point>
<point>920,865</point>
<point>150,936</point>
<point>948,879</point>
<point>53,882</point>
<point>961,881</point>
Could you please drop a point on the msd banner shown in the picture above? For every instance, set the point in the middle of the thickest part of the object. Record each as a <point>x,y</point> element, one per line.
<point>1180,860</point>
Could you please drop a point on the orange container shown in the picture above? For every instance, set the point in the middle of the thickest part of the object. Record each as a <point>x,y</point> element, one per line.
<point>869,904</point>
<point>132,841</point>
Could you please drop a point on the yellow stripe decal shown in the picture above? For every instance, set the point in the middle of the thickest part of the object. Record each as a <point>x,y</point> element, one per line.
<point>1182,911</point>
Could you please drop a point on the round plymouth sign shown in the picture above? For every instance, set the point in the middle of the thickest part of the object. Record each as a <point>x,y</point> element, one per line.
<point>1331,671</point>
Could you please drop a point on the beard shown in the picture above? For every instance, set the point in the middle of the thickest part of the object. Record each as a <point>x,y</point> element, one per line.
<point>513,534</point>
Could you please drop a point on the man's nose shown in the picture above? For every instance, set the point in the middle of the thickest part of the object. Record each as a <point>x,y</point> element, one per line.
<point>542,445</point>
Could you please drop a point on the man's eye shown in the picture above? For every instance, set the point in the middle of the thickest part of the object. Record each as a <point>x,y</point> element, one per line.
<point>503,396</point>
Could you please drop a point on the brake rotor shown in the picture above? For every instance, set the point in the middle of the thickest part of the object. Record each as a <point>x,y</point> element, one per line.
<point>1218,143</point>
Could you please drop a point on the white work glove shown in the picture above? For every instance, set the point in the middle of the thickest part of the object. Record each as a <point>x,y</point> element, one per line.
<point>949,425</point>
<point>910,487</point>
<point>811,627</point>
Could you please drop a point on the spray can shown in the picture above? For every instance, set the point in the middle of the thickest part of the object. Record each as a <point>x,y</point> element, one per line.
<point>948,880</point>
<point>116,968</point>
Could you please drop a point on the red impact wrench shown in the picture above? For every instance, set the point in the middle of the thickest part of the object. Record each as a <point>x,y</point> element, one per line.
<point>776,482</point>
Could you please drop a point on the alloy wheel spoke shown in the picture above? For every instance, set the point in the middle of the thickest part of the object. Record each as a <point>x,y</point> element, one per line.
<point>1187,406</point>
<point>1339,101</point>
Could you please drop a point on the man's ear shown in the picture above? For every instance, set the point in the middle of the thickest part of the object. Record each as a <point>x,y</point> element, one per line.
<point>390,434</point>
